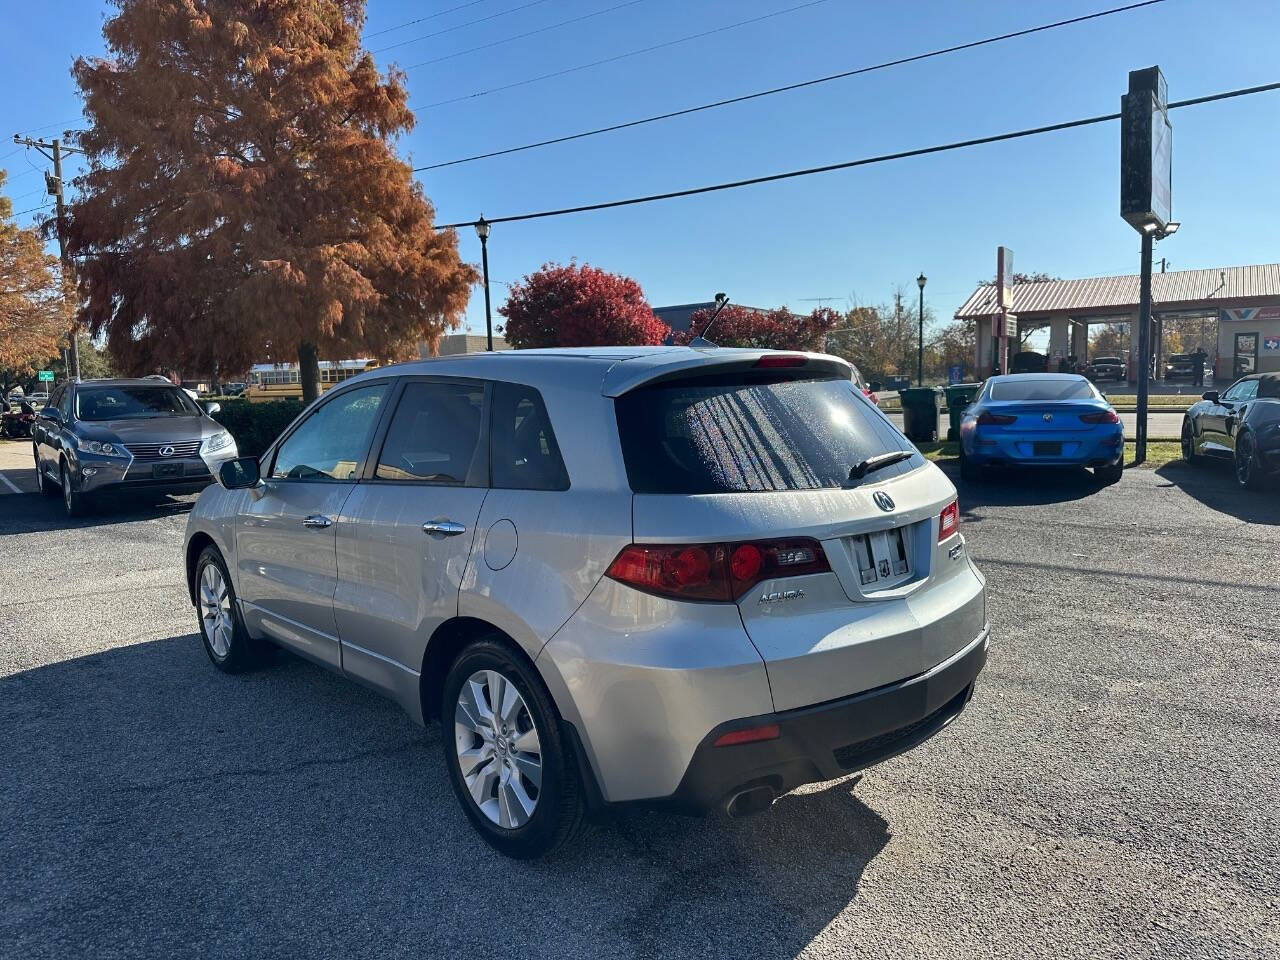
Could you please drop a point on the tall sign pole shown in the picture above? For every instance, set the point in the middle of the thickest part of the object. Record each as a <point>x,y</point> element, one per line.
<point>1005,319</point>
<point>1146,180</point>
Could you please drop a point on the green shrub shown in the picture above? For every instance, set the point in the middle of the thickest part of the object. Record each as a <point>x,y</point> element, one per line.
<point>255,426</point>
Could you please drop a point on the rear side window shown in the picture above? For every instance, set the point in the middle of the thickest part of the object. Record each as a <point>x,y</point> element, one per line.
<point>1043,390</point>
<point>724,435</point>
<point>434,436</point>
<point>523,447</point>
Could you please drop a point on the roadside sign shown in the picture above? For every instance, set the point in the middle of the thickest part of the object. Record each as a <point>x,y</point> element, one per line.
<point>1004,276</point>
<point>955,373</point>
<point>45,376</point>
<point>1146,152</point>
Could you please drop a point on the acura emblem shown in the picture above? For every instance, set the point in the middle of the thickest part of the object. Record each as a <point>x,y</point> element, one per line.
<point>166,451</point>
<point>1047,418</point>
<point>883,500</point>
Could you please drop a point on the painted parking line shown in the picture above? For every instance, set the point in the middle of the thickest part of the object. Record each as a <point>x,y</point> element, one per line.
<point>13,488</point>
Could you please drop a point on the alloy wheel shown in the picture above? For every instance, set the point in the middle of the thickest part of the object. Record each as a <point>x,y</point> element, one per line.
<point>215,610</point>
<point>498,749</point>
<point>1188,442</point>
<point>1244,459</point>
<point>66,492</point>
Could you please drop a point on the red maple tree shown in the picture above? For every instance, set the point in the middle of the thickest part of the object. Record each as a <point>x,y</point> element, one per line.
<point>777,329</point>
<point>579,306</point>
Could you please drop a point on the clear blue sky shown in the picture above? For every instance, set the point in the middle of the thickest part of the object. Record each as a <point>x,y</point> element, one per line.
<point>852,234</point>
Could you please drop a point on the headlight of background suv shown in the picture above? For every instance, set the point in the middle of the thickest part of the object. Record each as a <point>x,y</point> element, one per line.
<point>102,449</point>
<point>217,441</point>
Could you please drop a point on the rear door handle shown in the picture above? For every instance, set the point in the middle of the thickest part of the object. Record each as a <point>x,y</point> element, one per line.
<point>317,522</point>
<point>444,528</point>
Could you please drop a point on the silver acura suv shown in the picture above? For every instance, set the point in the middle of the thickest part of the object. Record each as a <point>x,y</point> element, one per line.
<point>698,578</point>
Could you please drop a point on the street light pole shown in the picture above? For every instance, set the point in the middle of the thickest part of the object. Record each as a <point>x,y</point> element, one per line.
<point>482,231</point>
<point>920,280</point>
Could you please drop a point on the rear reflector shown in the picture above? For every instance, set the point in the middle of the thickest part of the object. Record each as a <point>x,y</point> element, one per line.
<point>714,571</point>
<point>1105,416</point>
<point>949,521</point>
<point>782,360</point>
<point>769,731</point>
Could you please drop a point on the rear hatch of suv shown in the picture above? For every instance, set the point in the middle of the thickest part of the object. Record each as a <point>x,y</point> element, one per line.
<point>744,494</point>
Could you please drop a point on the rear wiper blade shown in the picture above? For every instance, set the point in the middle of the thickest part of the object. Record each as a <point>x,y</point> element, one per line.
<point>872,464</point>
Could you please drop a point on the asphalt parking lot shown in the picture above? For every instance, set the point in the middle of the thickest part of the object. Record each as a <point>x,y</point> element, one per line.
<point>1112,790</point>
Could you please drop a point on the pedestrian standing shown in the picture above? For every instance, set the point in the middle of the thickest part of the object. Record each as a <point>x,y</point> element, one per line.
<point>1197,366</point>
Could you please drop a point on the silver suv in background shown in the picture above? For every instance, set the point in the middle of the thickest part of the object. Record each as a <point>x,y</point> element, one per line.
<point>103,436</point>
<point>697,578</point>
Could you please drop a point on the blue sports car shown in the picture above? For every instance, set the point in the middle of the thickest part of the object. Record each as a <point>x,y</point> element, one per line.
<point>1041,419</point>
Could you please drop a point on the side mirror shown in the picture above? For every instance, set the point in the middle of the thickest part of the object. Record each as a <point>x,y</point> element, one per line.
<point>51,413</point>
<point>876,386</point>
<point>212,408</point>
<point>240,473</point>
<point>1210,395</point>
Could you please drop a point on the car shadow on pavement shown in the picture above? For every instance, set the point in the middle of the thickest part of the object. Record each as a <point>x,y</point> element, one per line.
<point>1213,483</point>
<point>157,807</point>
<point>1021,486</point>
<point>33,513</point>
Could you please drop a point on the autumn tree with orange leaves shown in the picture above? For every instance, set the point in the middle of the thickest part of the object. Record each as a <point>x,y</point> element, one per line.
<point>243,200</point>
<point>32,309</point>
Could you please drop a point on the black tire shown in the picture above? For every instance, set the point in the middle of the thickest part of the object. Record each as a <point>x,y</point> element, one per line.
<point>74,503</point>
<point>242,652</point>
<point>47,487</point>
<point>1189,454</point>
<point>970,472</point>
<point>559,808</point>
<point>1111,474</point>
<point>1249,472</point>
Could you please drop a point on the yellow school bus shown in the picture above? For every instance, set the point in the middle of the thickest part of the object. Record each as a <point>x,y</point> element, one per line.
<point>281,381</point>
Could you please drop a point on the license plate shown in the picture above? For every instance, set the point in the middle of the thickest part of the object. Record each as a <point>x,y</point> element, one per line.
<point>1047,448</point>
<point>165,471</point>
<point>882,557</point>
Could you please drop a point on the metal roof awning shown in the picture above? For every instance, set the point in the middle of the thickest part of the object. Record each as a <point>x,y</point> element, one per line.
<point>1218,287</point>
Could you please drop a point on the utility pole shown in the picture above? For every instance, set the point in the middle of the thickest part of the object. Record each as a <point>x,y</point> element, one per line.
<point>54,150</point>
<point>1164,262</point>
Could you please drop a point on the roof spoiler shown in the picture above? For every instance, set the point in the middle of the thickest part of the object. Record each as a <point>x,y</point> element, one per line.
<point>628,375</point>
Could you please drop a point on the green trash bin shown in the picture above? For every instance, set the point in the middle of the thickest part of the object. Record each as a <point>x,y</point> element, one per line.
<point>959,396</point>
<point>920,407</point>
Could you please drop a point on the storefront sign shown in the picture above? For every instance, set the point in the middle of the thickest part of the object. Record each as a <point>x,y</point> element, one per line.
<point>1271,343</point>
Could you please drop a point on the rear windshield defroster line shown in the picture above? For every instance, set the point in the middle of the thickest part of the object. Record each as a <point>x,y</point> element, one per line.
<point>749,433</point>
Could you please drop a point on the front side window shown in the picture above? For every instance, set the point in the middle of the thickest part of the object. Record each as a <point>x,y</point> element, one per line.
<point>741,433</point>
<point>331,442</point>
<point>132,402</point>
<point>434,436</point>
<point>1244,390</point>
<point>525,453</point>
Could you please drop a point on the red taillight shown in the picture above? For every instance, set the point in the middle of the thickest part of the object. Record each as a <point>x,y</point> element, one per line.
<point>714,571</point>
<point>769,731</point>
<point>949,521</point>
<point>995,420</point>
<point>1105,416</point>
<point>782,360</point>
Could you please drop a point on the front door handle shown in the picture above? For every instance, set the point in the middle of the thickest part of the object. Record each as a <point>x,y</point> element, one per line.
<point>444,528</point>
<point>317,522</point>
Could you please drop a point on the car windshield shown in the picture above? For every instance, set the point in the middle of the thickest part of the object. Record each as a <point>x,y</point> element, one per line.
<point>1107,360</point>
<point>132,402</point>
<point>742,433</point>
<point>1043,389</point>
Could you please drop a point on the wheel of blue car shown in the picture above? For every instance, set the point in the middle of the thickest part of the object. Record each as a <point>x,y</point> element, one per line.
<point>1189,443</point>
<point>512,770</point>
<point>1247,473</point>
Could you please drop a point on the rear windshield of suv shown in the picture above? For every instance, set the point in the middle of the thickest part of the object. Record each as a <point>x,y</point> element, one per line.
<point>738,434</point>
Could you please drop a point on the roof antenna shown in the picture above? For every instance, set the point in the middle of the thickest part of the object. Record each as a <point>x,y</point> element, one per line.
<point>701,342</point>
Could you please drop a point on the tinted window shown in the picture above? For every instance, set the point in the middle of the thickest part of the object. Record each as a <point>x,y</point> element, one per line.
<point>435,434</point>
<point>724,435</point>
<point>525,453</point>
<point>331,442</point>
<point>55,399</point>
<point>1038,389</point>
<point>132,403</point>
<point>1244,390</point>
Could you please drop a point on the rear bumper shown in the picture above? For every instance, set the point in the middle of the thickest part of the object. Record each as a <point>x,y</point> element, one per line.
<point>832,739</point>
<point>1092,449</point>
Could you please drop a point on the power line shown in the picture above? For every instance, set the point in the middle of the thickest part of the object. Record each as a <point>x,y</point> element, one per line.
<point>410,23</point>
<point>620,56</point>
<point>469,23</point>
<point>43,206</point>
<point>865,161</point>
<point>783,89</point>
<point>531,33</point>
